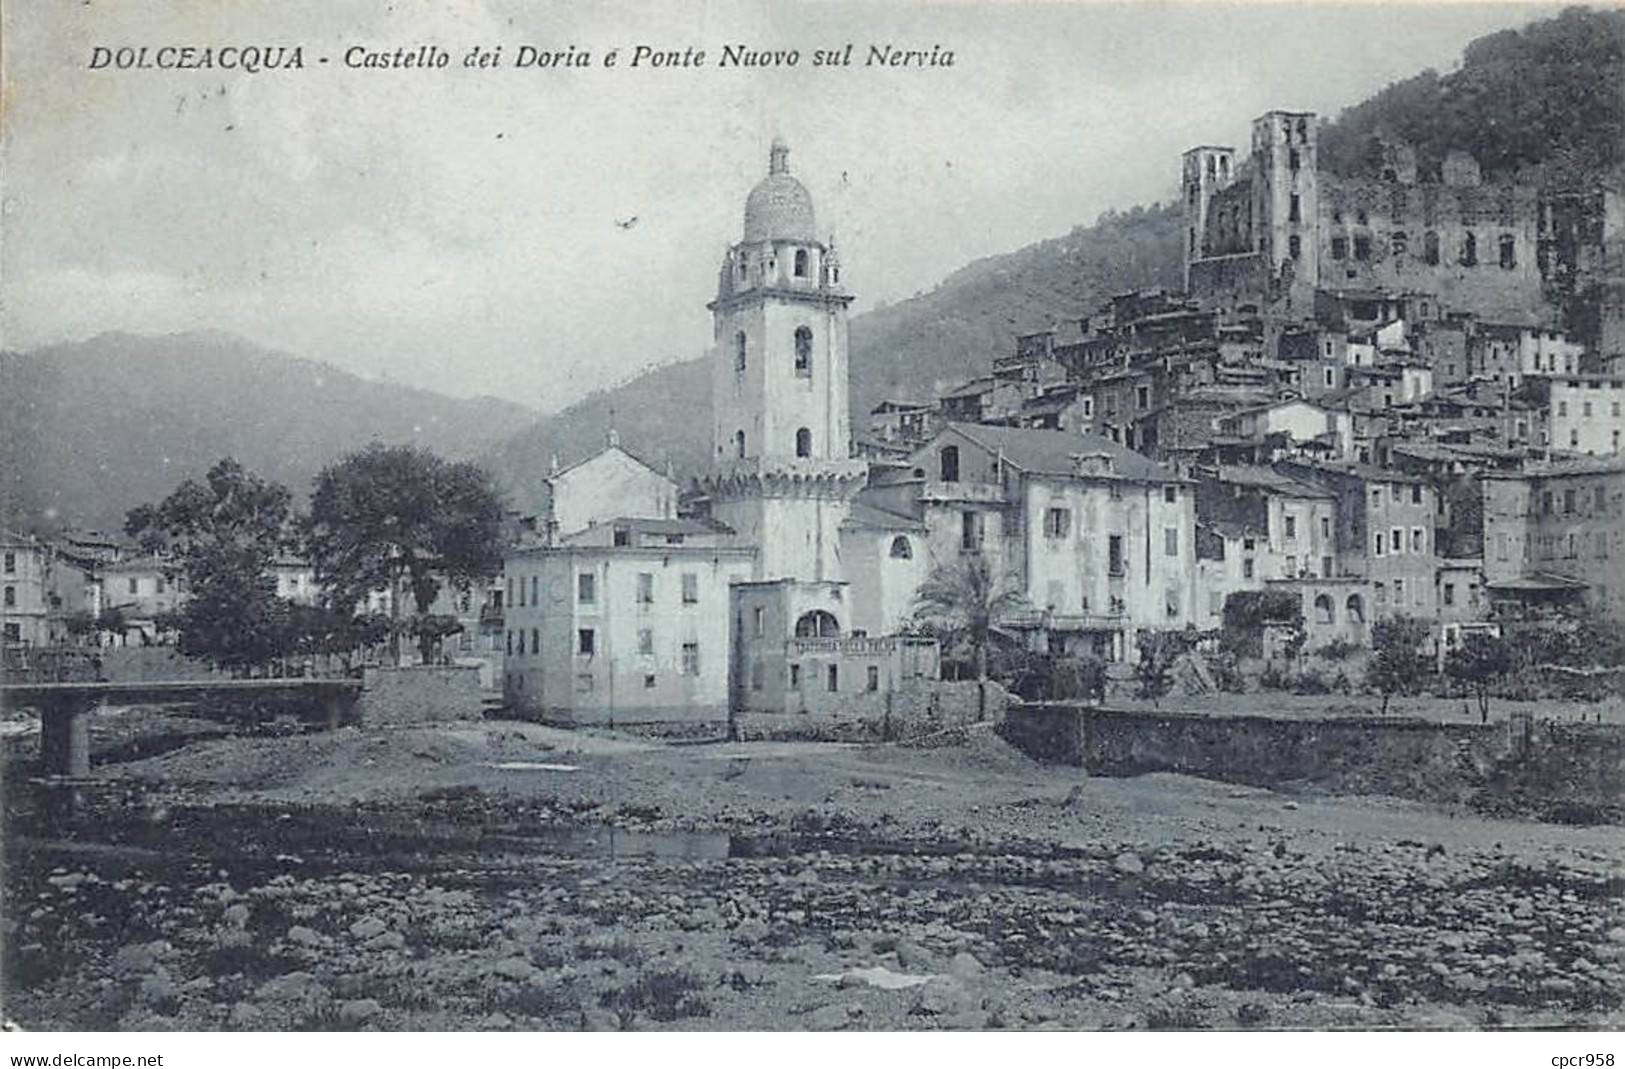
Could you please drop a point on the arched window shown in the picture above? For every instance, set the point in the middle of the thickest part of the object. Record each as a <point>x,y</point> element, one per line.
<point>801,263</point>
<point>739,351</point>
<point>804,352</point>
<point>1430,247</point>
<point>1509,252</point>
<point>1469,250</point>
<point>1356,609</point>
<point>1399,242</point>
<point>1324,613</point>
<point>901,549</point>
<point>950,463</point>
<point>803,442</point>
<point>739,444</point>
<point>818,624</point>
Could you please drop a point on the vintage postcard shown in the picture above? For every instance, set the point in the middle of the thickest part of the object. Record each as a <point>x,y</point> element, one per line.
<point>844,517</point>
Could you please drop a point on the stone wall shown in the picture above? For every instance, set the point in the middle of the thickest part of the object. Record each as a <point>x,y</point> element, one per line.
<point>918,707</point>
<point>1536,765</point>
<point>420,694</point>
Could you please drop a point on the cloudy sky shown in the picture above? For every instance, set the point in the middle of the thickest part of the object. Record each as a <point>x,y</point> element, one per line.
<point>457,229</point>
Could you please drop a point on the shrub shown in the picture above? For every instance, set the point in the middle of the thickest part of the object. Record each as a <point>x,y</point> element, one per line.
<point>1338,649</point>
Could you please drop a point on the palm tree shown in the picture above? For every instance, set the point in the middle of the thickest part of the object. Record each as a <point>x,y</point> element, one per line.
<point>966,597</point>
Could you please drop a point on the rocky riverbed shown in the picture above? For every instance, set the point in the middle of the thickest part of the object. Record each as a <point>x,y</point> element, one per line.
<point>913,892</point>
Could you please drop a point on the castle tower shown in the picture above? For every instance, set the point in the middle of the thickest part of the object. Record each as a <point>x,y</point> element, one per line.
<point>782,472</point>
<point>1286,195</point>
<point>1207,169</point>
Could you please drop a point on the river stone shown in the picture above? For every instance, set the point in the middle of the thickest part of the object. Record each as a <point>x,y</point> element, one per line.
<point>305,936</point>
<point>827,1019</point>
<point>1128,864</point>
<point>360,1010</point>
<point>368,927</point>
<point>943,996</point>
<point>244,1015</point>
<point>386,941</point>
<point>965,966</point>
<point>514,969</point>
<point>913,957</point>
<point>236,915</point>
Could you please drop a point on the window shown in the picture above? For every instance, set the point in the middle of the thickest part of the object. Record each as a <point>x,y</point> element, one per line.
<point>949,461</point>
<point>1568,502</point>
<point>648,681</point>
<point>1325,567</point>
<point>1380,543</point>
<point>1170,494</point>
<point>1142,396</point>
<point>510,643</point>
<point>970,531</point>
<point>1449,594</point>
<point>1362,246</point>
<point>1562,408</point>
<point>803,442</point>
<point>1294,211</point>
<point>1294,162</point>
<point>11,597</point>
<point>1340,248</point>
<point>801,263</point>
<point>1291,566</point>
<point>584,683</point>
<point>1399,592</point>
<point>1356,609</point>
<point>1509,252</point>
<point>1398,242</point>
<point>739,444</point>
<point>1325,527</point>
<point>756,674</point>
<point>804,344</point>
<point>535,641</point>
<point>691,588</point>
<point>1546,502</point>
<point>1170,541</point>
<point>1397,541</point>
<point>741,346</point>
<point>646,641</point>
<point>1469,250</point>
<point>134,586</point>
<point>691,658</point>
<point>510,590</point>
<point>586,641</point>
<point>1294,246</point>
<point>818,624</point>
<point>1418,540</point>
<point>1324,611</point>
<point>1430,247</point>
<point>586,588</point>
<point>901,548</point>
<point>1381,592</point>
<point>1114,554</point>
<point>1291,528</point>
<point>832,679</point>
<point>1247,568</point>
<point>11,564</point>
<point>622,536</point>
<point>1057,523</point>
<point>872,683</point>
<point>795,677</point>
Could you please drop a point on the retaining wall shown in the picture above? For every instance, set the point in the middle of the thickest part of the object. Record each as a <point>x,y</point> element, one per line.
<point>420,694</point>
<point>1543,763</point>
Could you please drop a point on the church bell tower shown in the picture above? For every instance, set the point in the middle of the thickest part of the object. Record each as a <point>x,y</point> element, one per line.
<point>782,473</point>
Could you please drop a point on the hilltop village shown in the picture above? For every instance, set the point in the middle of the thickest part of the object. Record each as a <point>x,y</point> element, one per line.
<point>1376,397</point>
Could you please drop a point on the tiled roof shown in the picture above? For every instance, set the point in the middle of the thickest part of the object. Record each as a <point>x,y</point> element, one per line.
<point>1051,452</point>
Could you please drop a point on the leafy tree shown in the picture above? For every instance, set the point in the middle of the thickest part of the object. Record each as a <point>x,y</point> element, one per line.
<point>966,599</point>
<point>1159,650</point>
<point>222,535</point>
<point>401,519</point>
<point>1396,660</point>
<point>1480,661</point>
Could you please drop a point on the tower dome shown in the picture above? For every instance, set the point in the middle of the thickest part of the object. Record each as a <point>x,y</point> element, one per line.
<point>779,208</point>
